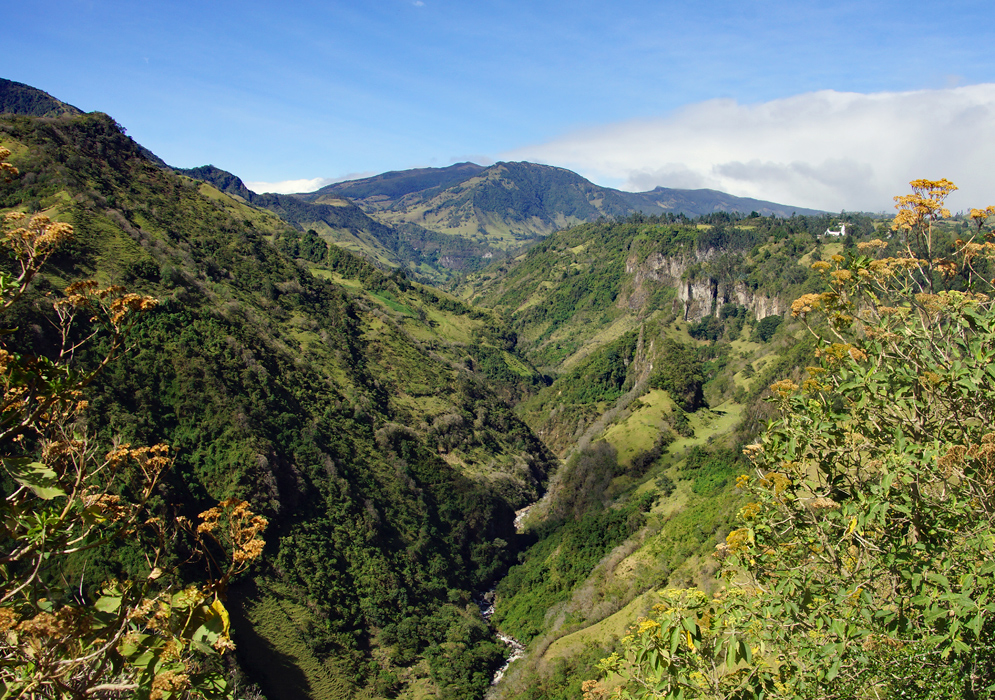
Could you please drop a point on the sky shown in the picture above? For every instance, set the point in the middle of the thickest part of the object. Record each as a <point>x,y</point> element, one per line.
<point>830,105</point>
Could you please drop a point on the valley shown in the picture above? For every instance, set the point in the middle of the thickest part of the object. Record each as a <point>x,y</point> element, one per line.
<point>388,369</point>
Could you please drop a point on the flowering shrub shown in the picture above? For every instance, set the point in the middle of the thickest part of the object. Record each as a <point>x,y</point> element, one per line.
<point>864,564</point>
<point>152,637</point>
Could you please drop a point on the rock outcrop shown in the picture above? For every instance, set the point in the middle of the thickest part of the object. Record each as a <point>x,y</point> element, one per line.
<point>698,295</point>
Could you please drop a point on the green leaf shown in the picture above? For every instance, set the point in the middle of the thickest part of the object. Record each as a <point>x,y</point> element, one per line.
<point>108,603</point>
<point>42,480</point>
<point>834,669</point>
<point>746,651</point>
<point>203,648</point>
<point>939,579</point>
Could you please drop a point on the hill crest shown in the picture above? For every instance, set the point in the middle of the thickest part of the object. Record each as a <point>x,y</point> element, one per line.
<point>18,98</point>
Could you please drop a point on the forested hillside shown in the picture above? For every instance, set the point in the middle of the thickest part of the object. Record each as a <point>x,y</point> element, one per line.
<point>860,562</point>
<point>18,98</point>
<point>352,410</point>
<point>497,210</point>
<point>705,424</point>
<point>662,336</point>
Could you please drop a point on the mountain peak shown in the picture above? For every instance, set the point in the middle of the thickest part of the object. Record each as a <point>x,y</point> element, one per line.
<point>18,98</point>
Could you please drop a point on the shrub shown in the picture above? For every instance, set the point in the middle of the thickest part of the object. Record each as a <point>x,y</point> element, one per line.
<point>864,564</point>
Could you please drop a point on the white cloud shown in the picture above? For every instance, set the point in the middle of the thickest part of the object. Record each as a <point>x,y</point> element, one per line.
<point>828,150</point>
<point>304,185</point>
<point>290,186</point>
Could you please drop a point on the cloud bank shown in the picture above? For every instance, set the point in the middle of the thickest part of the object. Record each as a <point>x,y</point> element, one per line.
<point>291,186</point>
<point>827,150</point>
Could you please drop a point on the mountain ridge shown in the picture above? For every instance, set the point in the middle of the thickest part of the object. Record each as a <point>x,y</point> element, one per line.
<point>374,191</point>
<point>437,223</point>
<point>18,98</point>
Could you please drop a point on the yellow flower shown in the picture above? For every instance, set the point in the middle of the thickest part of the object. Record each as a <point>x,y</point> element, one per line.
<point>784,388</point>
<point>806,303</point>
<point>876,244</point>
<point>749,511</point>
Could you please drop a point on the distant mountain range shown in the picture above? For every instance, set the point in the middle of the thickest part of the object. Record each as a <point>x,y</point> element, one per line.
<point>509,203</point>
<point>430,255</point>
<point>439,222</point>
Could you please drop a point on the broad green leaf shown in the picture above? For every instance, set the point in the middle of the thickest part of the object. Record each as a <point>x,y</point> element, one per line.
<point>42,480</point>
<point>108,603</point>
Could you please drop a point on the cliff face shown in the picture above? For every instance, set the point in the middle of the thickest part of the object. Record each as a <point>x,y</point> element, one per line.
<point>699,296</point>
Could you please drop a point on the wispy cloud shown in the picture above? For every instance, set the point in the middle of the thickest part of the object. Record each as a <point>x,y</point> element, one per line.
<point>828,150</point>
<point>304,185</point>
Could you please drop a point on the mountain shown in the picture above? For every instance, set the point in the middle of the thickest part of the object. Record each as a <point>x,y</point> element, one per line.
<point>674,363</point>
<point>663,200</point>
<point>18,98</point>
<point>336,220</point>
<point>396,184</point>
<point>508,204</point>
<point>426,254</point>
<point>366,416</point>
<point>579,290</point>
<point>439,222</point>
<point>504,205</point>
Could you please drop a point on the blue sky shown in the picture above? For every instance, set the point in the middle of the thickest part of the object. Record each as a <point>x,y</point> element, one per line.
<point>827,104</point>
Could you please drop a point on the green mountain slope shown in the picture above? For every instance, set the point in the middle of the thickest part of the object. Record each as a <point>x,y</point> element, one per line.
<point>503,205</point>
<point>336,220</point>
<point>356,411</point>
<point>18,98</point>
<point>665,200</point>
<point>397,184</point>
<point>434,256</point>
<point>436,222</point>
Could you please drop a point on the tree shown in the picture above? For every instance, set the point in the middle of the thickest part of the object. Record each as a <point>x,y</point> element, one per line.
<point>680,373</point>
<point>864,565</point>
<point>149,635</point>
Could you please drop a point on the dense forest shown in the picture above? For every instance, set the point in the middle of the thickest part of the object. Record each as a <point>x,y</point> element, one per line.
<point>387,468</point>
<point>239,461</point>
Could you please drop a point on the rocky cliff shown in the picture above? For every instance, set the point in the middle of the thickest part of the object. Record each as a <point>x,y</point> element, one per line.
<point>698,293</point>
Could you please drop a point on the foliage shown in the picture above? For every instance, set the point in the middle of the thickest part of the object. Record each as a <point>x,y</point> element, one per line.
<point>307,246</point>
<point>579,532</point>
<point>863,565</point>
<point>302,397</point>
<point>602,376</point>
<point>767,327</point>
<point>461,655</point>
<point>147,635</point>
<point>24,99</point>
<point>710,470</point>
<point>679,372</point>
<point>708,328</point>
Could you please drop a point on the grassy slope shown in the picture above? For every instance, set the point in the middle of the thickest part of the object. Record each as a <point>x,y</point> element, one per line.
<point>343,413</point>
